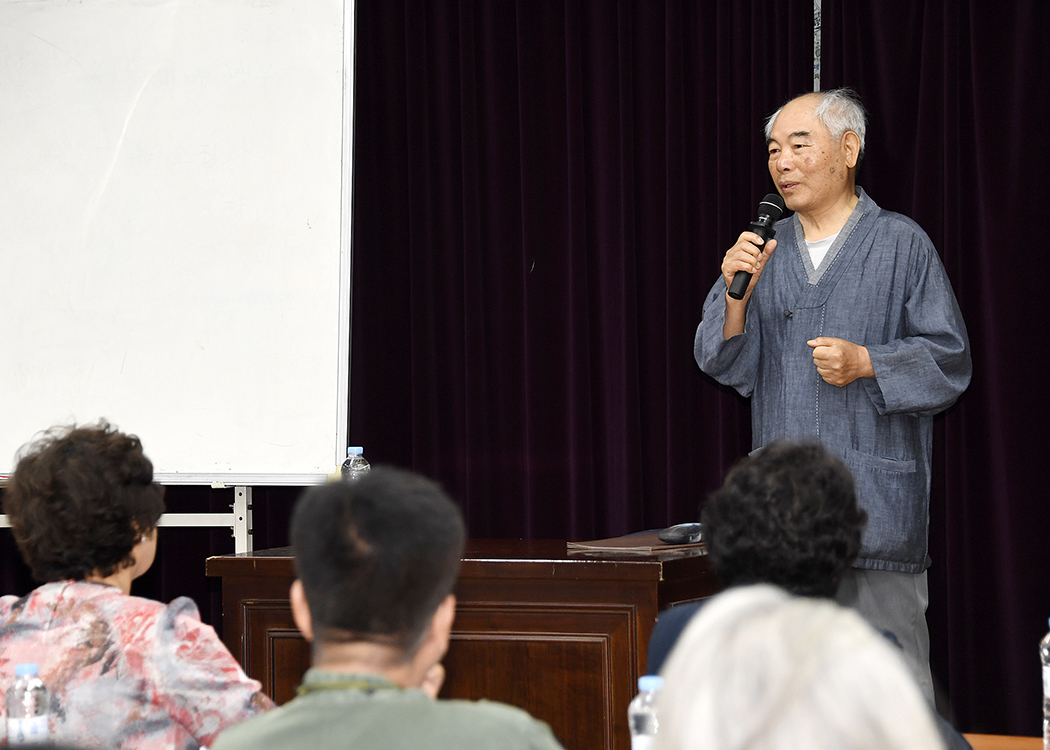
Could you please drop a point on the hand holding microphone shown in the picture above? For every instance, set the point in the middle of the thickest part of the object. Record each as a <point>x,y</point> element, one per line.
<point>770,209</point>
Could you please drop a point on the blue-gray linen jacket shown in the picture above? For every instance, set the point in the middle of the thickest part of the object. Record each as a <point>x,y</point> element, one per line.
<point>881,285</point>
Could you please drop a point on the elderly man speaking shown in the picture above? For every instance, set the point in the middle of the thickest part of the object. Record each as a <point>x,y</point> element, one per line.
<point>848,332</point>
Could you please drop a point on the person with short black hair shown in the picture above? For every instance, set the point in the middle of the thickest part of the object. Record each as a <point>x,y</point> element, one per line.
<point>396,528</point>
<point>121,670</point>
<point>376,560</point>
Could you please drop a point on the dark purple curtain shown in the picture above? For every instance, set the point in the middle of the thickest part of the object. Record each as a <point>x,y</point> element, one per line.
<point>544,190</point>
<point>958,96</point>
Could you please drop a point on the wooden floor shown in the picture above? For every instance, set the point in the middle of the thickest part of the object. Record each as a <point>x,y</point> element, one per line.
<point>1001,742</point>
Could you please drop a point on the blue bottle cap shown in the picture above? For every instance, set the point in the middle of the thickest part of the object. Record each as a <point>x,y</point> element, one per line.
<point>650,682</point>
<point>25,669</point>
<point>355,450</point>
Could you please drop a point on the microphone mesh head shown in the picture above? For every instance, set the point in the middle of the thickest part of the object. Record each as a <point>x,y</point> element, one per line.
<point>772,205</point>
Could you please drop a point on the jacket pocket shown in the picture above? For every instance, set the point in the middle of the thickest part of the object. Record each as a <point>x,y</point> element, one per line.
<point>894,495</point>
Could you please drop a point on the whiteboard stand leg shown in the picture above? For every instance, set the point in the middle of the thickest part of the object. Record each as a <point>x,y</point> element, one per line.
<point>242,519</point>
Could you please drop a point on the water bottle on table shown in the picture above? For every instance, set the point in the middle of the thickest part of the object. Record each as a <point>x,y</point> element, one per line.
<point>641,714</point>
<point>355,465</point>
<point>1044,656</point>
<point>27,707</point>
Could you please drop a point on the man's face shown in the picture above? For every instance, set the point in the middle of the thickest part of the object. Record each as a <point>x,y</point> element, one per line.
<point>808,166</point>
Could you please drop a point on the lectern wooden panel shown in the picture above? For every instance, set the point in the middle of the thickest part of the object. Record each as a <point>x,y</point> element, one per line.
<point>561,635</point>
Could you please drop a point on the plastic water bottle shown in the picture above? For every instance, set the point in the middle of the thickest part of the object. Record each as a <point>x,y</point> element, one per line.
<point>641,714</point>
<point>1044,656</point>
<point>355,464</point>
<point>27,708</point>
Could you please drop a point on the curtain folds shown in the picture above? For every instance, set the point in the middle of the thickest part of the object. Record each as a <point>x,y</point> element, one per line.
<point>544,192</point>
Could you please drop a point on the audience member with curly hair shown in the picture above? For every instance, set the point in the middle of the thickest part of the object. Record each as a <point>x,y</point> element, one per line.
<point>121,670</point>
<point>787,515</point>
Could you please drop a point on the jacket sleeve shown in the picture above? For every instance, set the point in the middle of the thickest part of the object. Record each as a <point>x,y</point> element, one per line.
<point>733,361</point>
<point>197,679</point>
<point>925,370</point>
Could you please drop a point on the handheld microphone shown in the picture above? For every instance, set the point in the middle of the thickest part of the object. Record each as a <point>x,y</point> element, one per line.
<point>770,210</point>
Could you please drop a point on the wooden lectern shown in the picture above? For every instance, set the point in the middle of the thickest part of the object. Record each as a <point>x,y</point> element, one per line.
<point>561,634</point>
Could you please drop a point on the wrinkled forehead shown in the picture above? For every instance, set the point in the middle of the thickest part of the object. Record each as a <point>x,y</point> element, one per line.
<point>797,119</point>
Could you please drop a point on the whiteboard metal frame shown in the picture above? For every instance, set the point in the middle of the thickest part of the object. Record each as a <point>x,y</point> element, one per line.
<point>239,521</point>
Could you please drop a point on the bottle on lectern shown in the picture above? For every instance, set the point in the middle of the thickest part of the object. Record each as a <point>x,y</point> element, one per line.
<point>355,464</point>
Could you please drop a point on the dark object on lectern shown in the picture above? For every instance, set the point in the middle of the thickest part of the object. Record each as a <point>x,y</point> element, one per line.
<point>682,533</point>
<point>770,209</point>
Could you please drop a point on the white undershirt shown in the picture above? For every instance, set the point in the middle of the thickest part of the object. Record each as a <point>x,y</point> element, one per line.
<point>819,248</point>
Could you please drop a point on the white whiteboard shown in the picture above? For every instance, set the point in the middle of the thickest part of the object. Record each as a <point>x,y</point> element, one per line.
<point>174,230</point>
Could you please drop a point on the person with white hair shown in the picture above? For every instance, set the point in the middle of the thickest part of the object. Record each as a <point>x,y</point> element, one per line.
<point>849,331</point>
<point>761,669</point>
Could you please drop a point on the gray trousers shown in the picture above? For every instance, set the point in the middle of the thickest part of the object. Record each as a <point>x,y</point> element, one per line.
<point>895,602</point>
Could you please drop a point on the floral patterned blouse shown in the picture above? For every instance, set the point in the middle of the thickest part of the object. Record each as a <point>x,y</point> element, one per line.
<point>123,671</point>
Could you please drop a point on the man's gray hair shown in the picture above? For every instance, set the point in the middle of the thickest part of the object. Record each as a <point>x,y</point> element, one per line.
<point>759,669</point>
<point>839,110</point>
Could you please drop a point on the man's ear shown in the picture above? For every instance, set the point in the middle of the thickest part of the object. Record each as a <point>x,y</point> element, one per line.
<point>445,616</point>
<point>433,648</point>
<point>301,610</point>
<point>441,627</point>
<point>851,148</point>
